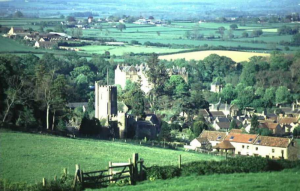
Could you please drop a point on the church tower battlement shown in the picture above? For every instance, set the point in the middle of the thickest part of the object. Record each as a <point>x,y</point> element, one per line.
<point>105,101</point>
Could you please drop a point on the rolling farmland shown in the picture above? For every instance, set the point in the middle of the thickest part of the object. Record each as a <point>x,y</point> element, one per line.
<point>200,55</point>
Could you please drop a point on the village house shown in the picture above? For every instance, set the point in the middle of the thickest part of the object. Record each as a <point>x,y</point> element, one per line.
<point>198,144</point>
<point>251,144</point>
<point>275,148</point>
<point>289,123</point>
<point>221,126</point>
<point>216,87</point>
<point>214,137</point>
<point>243,143</point>
<point>90,19</point>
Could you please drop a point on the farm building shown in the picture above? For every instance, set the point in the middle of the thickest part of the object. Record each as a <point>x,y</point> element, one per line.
<point>17,31</point>
<point>46,44</point>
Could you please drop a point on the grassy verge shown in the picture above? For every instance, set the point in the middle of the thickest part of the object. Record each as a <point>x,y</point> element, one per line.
<point>287,179</point>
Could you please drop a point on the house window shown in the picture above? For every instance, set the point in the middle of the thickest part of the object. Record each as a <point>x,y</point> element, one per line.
<point>267,156</point>
<point>256,148</point>
<point>273,150</point>
<point>243,146</point>
<point>239,153</point>
<point>247,147</point>
<point>273,157</point>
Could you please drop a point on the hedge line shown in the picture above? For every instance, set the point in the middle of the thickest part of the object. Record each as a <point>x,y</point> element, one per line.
<point>232,165</point>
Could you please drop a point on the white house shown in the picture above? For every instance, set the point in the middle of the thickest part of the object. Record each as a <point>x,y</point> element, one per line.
<point>198,143</point>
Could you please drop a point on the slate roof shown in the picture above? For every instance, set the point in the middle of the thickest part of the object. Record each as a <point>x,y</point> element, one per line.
<point>204,112</point>
<point>272,141</point>
<point>241,138</point>
<point>224,125</point>
<point>223,119</point>
<point>217,113</point>
<point>213,135</point>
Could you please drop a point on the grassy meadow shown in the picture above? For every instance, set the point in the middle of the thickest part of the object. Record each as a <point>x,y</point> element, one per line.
<point>275,181</point>
<point>30,157</point>
<point>120,50</point>
<point>200,55</point>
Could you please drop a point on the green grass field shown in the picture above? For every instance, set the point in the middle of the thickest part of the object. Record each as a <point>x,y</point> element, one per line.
<point>275,181</point>
<point>30,157</point>
<point>120,50</point>
<point>171,34</point>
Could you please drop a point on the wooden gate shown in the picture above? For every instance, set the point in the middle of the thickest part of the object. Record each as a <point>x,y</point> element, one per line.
<point>114,173</point>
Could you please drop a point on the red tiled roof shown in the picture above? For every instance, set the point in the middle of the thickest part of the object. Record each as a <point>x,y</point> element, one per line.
<point>213,135</point>
<point>272,141</point>
<point>241,138</point>
<point>272,125</point>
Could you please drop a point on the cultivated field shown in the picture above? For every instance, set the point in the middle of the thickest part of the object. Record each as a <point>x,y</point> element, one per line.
<point>284,180</point>
<point>200,55</point>
<point>30,157</point>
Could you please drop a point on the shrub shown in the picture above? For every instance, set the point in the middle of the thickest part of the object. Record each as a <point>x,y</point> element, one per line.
<point>235,165</point>
<point>165,172</point>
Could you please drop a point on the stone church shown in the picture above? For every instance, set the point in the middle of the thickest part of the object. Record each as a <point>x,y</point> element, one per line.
<point>121,123</point>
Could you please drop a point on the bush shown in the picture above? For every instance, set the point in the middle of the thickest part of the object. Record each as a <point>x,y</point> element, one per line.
<point>63,183</point>
<point>162,172</point>
<point>236,165</point>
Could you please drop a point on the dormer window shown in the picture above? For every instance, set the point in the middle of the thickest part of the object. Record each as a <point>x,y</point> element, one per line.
<point>219,137</point>
<point>250,140</point>
<point>258,142</point>
<point>232,137</point>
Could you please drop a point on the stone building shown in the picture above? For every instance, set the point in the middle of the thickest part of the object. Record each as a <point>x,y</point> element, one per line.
<point>120,123</point>
<point>138,73</point>
<point>105,101</point>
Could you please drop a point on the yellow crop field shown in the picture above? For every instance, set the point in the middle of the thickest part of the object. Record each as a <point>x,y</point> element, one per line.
<point>200,55</point>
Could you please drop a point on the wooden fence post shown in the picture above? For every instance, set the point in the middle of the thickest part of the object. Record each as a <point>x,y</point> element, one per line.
<point>44,182</point>
<point>65,172</point>
<point>179,162</point>
<point>130,171</point>
<point>110,171</point>
<point>141,174</point>
<point>76,176</point>
<point>135,158</point>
